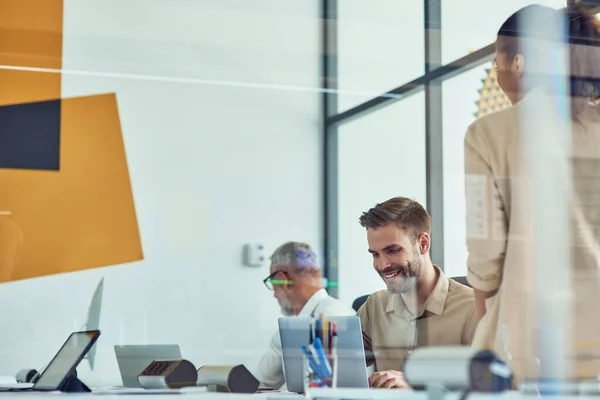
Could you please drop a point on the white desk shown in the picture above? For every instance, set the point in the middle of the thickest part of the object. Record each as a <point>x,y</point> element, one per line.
<point>180,396</point>
<point>347,394</point>
<point>383,394</point>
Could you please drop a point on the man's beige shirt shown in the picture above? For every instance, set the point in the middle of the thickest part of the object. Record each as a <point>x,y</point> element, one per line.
<point>391,332</point>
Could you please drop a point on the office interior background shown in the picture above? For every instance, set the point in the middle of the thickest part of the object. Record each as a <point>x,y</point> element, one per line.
<point>261,122</point>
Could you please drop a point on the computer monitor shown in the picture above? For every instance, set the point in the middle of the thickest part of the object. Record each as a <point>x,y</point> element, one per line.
<point>93,319</point>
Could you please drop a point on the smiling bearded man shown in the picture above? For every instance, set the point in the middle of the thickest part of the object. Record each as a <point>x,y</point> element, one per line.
<point>421,306</point>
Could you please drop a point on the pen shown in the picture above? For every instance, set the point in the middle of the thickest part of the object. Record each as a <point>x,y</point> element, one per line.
<point>318,329</point>
<point>312,350</point>
<point>310,334</point>
<point>321,322</point>
<point>310,359</point>
<point>325,339</point>
<point>324,336</point>
<point>329,336</point>
<point>316,361</point>
<point>334,339</point>
<point>324,363</point>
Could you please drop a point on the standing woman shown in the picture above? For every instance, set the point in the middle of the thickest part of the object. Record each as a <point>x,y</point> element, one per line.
<point>499,207</point>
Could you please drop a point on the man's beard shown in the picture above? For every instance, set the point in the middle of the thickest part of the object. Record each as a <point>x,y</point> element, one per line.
<point>286,308</point>
<point>406,280</point>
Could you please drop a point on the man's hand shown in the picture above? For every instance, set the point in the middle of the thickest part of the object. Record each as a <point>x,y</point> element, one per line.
<point>388,380</point>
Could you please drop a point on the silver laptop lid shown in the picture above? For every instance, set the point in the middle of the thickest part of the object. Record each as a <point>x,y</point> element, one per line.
<point>133,358</point>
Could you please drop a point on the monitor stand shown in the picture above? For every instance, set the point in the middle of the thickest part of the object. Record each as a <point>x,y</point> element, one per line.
<point>74,385</point>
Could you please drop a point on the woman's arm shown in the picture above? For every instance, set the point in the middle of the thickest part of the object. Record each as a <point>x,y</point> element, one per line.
<point>486,221</point>
<point>480,297</point>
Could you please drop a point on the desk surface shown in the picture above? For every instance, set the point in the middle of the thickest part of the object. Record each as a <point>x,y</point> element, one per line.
<point>181,396</point>
<point>361,394</point>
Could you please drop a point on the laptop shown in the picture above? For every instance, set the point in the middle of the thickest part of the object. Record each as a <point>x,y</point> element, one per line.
<point>352,367</point>
<point>134,358</point>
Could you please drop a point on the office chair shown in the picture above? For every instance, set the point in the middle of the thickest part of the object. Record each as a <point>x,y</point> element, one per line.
<point>361,300</point>
<point>461,279</point>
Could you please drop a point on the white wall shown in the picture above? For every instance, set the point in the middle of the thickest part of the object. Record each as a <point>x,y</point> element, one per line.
<point>213,165</point>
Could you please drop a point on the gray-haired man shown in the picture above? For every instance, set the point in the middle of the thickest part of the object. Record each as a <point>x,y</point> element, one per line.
<point>296,282</point>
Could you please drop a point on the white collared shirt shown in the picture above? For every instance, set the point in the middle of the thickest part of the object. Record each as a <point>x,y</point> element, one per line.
<point>270,368</point>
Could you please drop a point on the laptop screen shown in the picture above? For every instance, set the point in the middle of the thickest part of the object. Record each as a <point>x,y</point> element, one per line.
<point>67,358</point>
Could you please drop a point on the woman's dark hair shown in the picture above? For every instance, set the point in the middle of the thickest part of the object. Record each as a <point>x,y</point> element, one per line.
<point>583,36</point>
<point>517,27</point>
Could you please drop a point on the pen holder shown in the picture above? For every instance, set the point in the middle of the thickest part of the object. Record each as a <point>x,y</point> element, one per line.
<point>319,376</point>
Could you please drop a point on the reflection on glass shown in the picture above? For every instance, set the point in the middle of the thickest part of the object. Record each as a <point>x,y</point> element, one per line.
<point>11,243</point>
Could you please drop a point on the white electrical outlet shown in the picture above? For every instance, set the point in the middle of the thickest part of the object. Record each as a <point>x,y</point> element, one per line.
<point>253,254</point>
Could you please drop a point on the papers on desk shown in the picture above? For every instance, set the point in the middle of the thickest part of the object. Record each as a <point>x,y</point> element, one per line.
<point>142,391</point>
<point>366,394</point>
<point>123,390</point>
<point>280,395</point>
<point>7,379</point>
<point>8,382</point>
<point>15,386</point>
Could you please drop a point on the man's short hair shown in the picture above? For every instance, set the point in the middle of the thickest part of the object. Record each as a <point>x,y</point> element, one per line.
<point>406,213</point>
<point>297,255</point>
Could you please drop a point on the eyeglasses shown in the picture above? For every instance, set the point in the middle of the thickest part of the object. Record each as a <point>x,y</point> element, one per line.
<point>269,281</point>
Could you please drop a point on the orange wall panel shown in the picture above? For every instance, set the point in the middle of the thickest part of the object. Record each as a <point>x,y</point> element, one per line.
<point>30,36</point>
<point>82,216</point>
